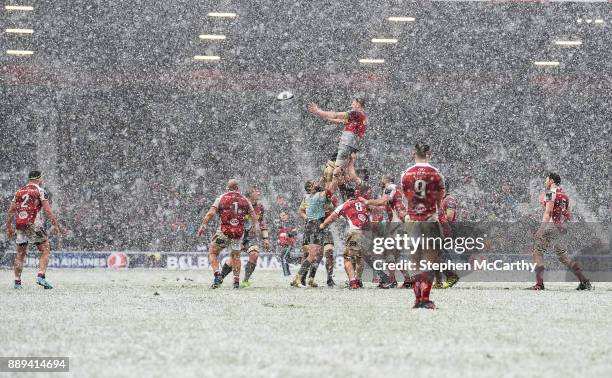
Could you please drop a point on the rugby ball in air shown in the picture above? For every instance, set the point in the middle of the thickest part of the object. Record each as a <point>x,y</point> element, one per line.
<point>284,96</point>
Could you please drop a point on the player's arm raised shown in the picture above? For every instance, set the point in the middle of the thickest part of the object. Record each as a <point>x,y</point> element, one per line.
<point>49,213</point>
<point>211,213</point>
<point>335,117</point>
<point>10,232</point>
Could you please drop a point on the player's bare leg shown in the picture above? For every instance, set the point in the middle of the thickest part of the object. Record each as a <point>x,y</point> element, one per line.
<point>317,256</point>
<point>306,263</point>
<point>213,259</point>
<point>328,251</point>
<point>351,172</point>
<point>19,259</point>
<point>585,284</point>
<point>43,262</point>
<point>350,269</point>
<point>538,258</point>
<point>359,266</point>
<point>236,266</point>
<point>250,266</point>
<point>305,252</point>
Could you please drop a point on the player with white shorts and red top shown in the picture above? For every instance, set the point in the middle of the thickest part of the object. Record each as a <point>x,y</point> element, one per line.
<point>29,226</point>
<point>232,208</point>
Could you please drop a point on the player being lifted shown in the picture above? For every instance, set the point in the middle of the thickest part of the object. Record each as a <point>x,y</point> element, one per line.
<point>355,122</point>
<point>249,244</point>
<point>556,205</point>
<point>29,226</point>
<point>356,211</point>
<point>312,211</point>
<point>232,208</point>
<point>423,187</point>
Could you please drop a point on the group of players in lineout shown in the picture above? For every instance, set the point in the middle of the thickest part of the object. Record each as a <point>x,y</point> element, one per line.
<point>422,204</point>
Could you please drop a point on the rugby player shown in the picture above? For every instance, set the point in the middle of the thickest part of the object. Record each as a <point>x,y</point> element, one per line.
<point>356,211</point>
<point>29,226</point>
<point>312,211</point>
<point>448,209</point>
<point>355,123</point>
<point>232,208</point>
<point>395,211</point>
<point>552,231</point>
<point>286,235</point>
<point>249,244</point>
<point>423,188</point>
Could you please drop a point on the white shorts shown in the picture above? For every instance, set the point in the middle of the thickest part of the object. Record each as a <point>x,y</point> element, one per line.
<point>31,234</point>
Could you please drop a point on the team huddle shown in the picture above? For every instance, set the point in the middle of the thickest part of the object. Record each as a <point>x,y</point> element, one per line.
<point>420,205</point>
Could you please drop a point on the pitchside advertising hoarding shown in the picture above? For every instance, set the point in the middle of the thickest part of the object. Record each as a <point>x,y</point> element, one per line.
<point>475,251</point>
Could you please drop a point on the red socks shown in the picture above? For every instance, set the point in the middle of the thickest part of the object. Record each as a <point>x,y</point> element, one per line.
<point>422,286</point>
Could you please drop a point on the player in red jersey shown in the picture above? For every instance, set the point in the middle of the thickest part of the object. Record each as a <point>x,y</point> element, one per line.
<point>29,226</point>
<point>449,211</point>
<point>552,231</point>
<point>355,124</point>
<point>232,208</point>
<point>356,211</point>
<point>286,240</point>
<point>423,187</point>
<point>395,210</point>
<point>249,241</point>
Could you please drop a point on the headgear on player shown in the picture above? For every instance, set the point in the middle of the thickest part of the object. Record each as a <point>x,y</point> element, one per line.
<point>34,175</point>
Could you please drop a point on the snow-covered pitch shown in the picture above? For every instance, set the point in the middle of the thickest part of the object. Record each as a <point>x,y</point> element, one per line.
<point>147,323</point>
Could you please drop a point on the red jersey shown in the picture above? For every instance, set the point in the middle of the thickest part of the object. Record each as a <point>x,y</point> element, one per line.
<point>561,212</point>
<point>232,208</point>
<point>356,212</point>
<point>29,201</point>
<point>285,238</point>
<point>422,185</point>
<point>331,203</point>
<point>395,205</point>
<point>356,122</point>
<point>449,202</point>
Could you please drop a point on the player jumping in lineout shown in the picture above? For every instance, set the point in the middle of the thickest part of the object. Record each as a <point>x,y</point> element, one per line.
<point>355,123</point>
<point>232,208</point>
<point>29,225</point>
